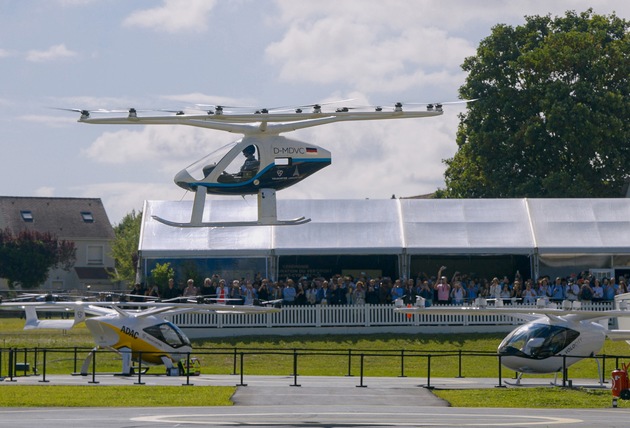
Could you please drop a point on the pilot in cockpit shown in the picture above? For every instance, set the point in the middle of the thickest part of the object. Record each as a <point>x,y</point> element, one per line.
<point>247,170</point>
<point>251,164</point>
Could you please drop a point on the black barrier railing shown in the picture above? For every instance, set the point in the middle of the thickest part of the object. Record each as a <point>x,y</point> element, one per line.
<point>18,362</point>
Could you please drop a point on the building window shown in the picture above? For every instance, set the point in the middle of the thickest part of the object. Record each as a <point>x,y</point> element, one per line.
<point>27,215</point>
<point>95,255</point>
<point>87,216</point>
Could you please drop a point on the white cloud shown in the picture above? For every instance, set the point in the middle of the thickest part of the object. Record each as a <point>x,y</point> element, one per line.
<point>174,16</point>
<point>194,98</point>
<point>50,121</point>
<point>395,45</point>
<point>94,103</point>
<point>51,54</point>
<point>45,191</point>
<point>73,3</point>
<point>379,51</point>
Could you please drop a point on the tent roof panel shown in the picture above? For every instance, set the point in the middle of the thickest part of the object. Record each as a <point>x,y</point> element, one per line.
<point>389,226</point>
<point>581,225</point>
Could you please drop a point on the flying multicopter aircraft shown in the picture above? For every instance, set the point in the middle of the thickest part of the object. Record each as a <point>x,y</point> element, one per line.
<point>274,162</point>
<point>551,338</point>
<point>136,334</point>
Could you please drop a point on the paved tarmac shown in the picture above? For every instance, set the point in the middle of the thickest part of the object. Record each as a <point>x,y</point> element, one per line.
<point>307,401</point>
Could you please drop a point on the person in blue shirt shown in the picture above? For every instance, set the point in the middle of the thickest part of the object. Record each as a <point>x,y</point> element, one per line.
<point>609,290</point>
<point>288,293</point>
<point>397,291</point>
<point>472,290</point>
<point>557,290</point>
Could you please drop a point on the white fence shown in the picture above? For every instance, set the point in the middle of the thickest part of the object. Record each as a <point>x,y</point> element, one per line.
<point>347,316</point>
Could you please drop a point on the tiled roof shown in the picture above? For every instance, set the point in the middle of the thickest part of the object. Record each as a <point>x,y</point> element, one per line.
<point>66,218</point>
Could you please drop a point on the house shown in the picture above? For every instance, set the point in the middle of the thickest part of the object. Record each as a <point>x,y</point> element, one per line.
<point>80,220</point>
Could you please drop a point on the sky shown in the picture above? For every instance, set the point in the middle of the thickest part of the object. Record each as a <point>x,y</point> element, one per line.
<point>172,54</point>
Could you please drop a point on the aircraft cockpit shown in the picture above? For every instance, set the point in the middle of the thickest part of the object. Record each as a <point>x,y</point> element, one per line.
<point>241,169</point>
<point>235,165</point>
<point>168,333</point>
<point>537,341</point>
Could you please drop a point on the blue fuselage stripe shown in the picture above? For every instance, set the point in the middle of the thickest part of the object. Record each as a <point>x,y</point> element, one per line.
<point>259,174</point>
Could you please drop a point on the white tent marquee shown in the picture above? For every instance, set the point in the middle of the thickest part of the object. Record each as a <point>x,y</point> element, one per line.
<point>549,231</point>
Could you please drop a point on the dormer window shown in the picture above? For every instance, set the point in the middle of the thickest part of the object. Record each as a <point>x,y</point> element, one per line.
<point>87,216</point>
<point>27,216</point>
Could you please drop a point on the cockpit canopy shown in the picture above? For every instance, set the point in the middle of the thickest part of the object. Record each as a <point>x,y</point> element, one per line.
<point>537,341</point>
<point>168,333</point>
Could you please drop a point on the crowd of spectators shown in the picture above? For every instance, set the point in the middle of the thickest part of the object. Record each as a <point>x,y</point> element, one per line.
<point>347,290</point>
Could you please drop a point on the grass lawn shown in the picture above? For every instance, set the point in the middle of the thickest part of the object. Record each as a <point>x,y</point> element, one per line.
<point>114,396</point>
<point>537,398</point>
<point>317,356</point>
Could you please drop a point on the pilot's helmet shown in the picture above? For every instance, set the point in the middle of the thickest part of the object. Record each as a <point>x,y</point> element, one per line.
<point>249,150</point>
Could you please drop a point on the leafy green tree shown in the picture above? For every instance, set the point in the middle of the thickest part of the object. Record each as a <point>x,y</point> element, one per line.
<point>160,275</point>
<point>26,258</point>
<point>553,114</point>
<point>190,270</point>
<point>125,247</point>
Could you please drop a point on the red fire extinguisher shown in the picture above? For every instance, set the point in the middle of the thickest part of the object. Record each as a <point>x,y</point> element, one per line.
<point>620,382</point>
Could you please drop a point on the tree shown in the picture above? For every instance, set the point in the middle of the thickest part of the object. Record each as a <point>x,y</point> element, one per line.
<point>553,114</point>
<point>125,247</point>
<point>26,258</point>
<point>160,275</point>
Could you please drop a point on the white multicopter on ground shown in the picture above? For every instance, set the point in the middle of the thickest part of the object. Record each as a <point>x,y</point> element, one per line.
<point>136,330</point>
<point>272,162</point>
<point>551,337</point>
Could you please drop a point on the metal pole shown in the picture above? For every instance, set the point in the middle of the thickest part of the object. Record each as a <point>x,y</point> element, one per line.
<point>349,362</point>
<point>140,369</point>
<point>295,371</point>
<point>459,375</point>
<point>564,371</point>
<point>44,369</point>
<point>188,370</point>
<point>361,384</point>
<point>500,385</point>
<point>429,372</point>
<point>402,363</point>
<point>242,370</point>
<point>11,365</point>
<point>234,369</point>
<point>93,367</point>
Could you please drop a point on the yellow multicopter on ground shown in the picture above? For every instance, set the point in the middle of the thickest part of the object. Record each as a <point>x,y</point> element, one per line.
<point>137,331</point>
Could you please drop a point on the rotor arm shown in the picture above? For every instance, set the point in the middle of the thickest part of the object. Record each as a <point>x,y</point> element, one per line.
<point>350,117</point>
<point>250,124</point>
<point>237,128</point>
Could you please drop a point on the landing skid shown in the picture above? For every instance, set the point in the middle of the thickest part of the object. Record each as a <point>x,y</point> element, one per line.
<point>300,220</point>
<point>267,213</point>
<point>519,376</point>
